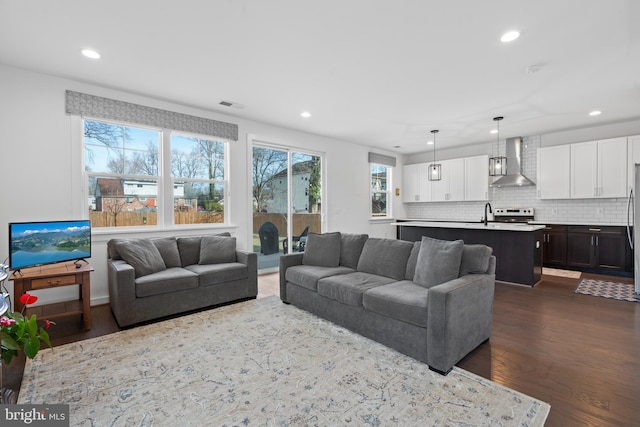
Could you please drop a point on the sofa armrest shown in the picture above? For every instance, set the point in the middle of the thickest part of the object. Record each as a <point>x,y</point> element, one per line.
<point>287,261</point>
<point>250,259</point>
<point>460,315</point>
<point>122,291</point>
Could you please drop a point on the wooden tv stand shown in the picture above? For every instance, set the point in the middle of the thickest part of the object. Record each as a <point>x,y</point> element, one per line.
<point>54,276</point>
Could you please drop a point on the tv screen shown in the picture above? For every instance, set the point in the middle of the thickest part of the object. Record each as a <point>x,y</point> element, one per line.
<point>38,243</point>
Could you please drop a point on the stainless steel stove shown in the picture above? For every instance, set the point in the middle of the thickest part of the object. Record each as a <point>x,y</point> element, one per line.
<point>513,215</point>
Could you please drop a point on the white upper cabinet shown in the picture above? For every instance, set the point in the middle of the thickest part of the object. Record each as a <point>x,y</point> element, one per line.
<point>451,186</point>
<point>633,150</point>
<point>417,187</point>
<point>554,177</point>
<point>476,178</point>
<point>462,179</point>
<point>599,169</point>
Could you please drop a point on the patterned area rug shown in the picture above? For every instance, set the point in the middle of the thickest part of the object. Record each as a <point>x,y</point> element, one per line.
<point>261,362</point>
<point>605,289</point>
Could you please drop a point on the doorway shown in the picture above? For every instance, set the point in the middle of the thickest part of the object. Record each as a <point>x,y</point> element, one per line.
<point>286,201</point>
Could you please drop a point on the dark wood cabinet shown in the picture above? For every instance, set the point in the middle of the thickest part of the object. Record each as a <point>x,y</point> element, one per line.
<point>554,245</point>
<point>602,248</point>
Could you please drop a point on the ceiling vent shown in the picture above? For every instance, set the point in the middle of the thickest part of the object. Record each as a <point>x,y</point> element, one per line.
<point>230,104</point>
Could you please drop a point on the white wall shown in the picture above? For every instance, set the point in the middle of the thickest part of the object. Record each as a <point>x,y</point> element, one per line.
<point>40,176</point>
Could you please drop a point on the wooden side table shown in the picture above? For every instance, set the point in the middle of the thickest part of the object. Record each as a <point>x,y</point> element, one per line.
<point>54,276</point>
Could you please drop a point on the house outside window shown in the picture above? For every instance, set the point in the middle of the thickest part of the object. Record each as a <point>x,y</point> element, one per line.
<point>126,186</point>
<point>380,195</point>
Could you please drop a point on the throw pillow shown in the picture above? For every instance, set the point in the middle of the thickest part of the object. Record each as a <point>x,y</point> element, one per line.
<point>142,254</point>
<point>217,250</point>
<point>385,257</point>
<point>168,248</point>
<point>189,248</point>
<point>438,261</point>
<point>475,259</point>
<point>351,248</point>
<point>322,250</point>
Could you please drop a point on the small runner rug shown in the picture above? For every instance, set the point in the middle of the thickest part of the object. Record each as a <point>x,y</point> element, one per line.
<point>260,363</point>
<point>606,289</point>
<point>561,273</point>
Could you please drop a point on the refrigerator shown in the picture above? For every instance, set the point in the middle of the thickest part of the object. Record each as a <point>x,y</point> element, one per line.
<point>633,227</point>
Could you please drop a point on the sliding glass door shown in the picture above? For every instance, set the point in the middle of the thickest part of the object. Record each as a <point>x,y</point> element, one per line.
<point>287,201</point>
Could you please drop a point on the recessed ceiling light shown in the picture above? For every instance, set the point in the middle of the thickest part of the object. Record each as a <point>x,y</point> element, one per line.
<point>509,36</point>
<point>305,114</point>
<point>429,142</point>
<point>493,131</point>
<point>89,53</point>
<point>595,113</point>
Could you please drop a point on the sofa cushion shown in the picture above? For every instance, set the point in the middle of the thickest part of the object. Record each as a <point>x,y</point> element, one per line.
<point>322,250</point>
<point>189,248</point>
<point>475,259</point>
<point>348,288</point>
<point>166,281</point>
<point>112,251</point>
<point>402,300</point>
<point>412,261</point>
<point>351,248</point>
<point>385,257</point>
<point>213,274</point>
<point>307,276</point>
<point>168,248</point>
<point>142,255</point>
<point>217,250</point>
<point>438,261</point>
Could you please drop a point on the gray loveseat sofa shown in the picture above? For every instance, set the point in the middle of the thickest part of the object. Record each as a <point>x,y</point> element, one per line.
<point>431,300</point>
<point>152,278</point>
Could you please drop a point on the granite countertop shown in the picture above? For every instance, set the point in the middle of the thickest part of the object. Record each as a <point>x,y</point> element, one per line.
<point>492,226</point>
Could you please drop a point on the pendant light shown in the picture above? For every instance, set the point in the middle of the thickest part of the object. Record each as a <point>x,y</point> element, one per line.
<point>498,164</point>
<point>435,169</point>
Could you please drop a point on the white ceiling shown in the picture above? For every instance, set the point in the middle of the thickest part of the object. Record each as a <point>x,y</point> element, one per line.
<point>375,72</point>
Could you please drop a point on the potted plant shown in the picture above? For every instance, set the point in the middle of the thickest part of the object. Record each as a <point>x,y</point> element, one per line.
<point>20,332</point>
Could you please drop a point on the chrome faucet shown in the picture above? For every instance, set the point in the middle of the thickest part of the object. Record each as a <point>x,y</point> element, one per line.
<point>485,219</point>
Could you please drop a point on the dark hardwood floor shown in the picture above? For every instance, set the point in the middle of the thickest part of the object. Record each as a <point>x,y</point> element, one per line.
<point>579,353</point>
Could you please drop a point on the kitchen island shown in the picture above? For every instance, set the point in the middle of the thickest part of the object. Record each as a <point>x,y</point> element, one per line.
<point>517,247</point>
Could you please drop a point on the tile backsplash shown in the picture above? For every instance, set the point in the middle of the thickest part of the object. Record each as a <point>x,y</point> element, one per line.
<point>567,211</point>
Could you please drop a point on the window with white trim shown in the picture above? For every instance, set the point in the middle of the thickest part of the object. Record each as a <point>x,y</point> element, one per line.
<point>124,167</point>
<point>380,191</point>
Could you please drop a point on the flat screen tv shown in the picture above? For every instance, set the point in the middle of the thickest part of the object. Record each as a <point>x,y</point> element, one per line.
<point>38,243</point>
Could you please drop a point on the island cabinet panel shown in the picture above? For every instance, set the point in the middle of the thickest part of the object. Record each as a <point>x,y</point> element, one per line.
<point>598,248</point>
<point>518,253</point>
<point>554,245</point>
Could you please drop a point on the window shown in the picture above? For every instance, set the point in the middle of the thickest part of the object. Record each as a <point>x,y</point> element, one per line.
<point>197,171</point>
<point>124,170</point>
<point>380,196</point>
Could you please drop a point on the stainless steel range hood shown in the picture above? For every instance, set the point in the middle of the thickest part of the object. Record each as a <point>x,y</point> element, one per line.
<point>514,176</point>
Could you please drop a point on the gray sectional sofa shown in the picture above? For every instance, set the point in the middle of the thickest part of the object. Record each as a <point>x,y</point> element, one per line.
<point>431,300</point>
<point>153,278</point>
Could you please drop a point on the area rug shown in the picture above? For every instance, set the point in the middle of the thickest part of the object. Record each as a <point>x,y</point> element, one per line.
<point>261,362</point>
<point>561,273</point>
<point>606,289</point>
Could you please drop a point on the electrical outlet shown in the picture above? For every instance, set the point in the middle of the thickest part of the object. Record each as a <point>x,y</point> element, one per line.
<point>554,211</point>
<point>599,211</point>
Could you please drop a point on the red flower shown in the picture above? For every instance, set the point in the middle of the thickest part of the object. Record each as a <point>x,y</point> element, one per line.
<point>47,324</point>
<point>5,321</point>
<point>27,299</point>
